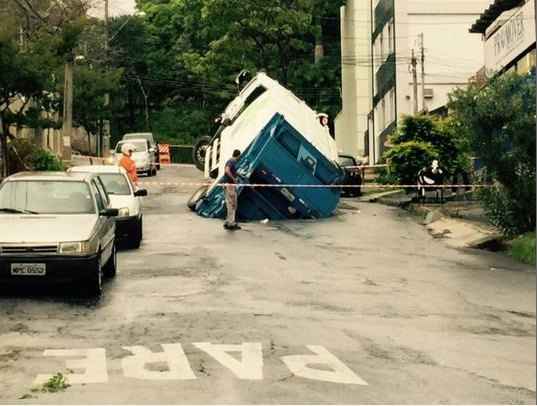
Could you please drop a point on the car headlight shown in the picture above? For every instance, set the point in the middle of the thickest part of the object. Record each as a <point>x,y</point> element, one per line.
<point>124,212</point>
<point>75,248</point>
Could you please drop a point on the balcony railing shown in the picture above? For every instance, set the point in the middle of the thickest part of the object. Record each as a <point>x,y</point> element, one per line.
<point>384,11</point>
<point>385,78</point>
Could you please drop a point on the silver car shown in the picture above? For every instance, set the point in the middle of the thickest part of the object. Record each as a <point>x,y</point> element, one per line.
<point>56,227</point>
<point>149,137</point>
<point>143,156</point>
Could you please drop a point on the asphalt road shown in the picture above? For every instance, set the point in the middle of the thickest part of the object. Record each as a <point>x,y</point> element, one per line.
<point>364,307</point>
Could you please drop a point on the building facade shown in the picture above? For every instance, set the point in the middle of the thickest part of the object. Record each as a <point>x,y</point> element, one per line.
<point>387,34</point>
<point>507,30</point>
<point>351,123</point>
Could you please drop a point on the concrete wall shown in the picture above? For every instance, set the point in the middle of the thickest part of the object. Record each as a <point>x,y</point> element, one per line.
<point>351,123</point>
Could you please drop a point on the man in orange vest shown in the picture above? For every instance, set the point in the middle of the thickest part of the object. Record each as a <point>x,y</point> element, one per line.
<point>127,162</point>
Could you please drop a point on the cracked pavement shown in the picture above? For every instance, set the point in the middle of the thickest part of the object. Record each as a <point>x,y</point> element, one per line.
<point>419,321</point>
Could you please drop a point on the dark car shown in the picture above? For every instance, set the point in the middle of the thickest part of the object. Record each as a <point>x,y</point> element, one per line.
<point>353,176</point>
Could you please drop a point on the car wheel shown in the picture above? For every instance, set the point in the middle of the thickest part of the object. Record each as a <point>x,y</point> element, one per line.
<point>155,171</point>
<point>110,268</point>
<point>198,152</point>
<point>196,197</point>
<point>149,173</point>
<point>93,285</point>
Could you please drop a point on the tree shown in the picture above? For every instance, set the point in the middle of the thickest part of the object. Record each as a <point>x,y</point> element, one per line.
<point>21,80</point>
<point>406,159</point>
<point>92,85</point>
<point>499,120</point>
<point>193,49</point>
<point>422,138</point>
<point>443,134</point>
<point>30,62</point>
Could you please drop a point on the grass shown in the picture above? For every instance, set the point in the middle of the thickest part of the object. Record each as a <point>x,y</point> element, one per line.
<point>56,383</point>
<point>523,248</point>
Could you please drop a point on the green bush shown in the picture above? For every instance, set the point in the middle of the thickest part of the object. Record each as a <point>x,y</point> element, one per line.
<point>444,135</point>
<point>42,160</point>
<point>500,122</point>
<point>523,248</point>
<point>385,177</point>
<point>405,160</point>
<point>25,155</point>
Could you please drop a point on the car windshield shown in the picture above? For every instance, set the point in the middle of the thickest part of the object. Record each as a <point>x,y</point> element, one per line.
<point>140,146</point>
<point>115,184</point>
<point>346,161</point>
<point>46,197</point>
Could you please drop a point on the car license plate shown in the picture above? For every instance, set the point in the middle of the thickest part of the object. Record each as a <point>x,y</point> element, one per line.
<point>28,269</point>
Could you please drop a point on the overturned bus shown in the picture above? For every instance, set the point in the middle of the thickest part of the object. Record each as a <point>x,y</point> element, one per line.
<point>288,164</point>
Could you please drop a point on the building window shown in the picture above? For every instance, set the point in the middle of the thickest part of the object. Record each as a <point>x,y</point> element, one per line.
<point>526,63</point>
<point>383,113</point>
<point>391,108</point>
<point>381,41</point>
<point>390,38</point>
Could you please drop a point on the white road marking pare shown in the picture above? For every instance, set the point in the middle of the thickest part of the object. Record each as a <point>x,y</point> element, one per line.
<point>248,366</point>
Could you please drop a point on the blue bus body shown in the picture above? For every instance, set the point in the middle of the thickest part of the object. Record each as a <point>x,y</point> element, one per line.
<point>279,155</point>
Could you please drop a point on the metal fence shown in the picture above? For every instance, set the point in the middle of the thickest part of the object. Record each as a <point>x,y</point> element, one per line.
<point>181,154</point>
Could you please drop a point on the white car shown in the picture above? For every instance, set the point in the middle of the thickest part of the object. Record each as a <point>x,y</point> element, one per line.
<point>144,156</point>
<point>124,197</point>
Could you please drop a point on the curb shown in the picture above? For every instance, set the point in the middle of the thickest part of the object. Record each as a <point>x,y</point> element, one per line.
<point>381,197</point>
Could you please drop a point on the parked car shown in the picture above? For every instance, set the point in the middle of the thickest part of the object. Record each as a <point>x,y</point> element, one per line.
<point>146,136</point>
<point>144,156</point>
<point>124,197</point>
<point>353,176</point>
<point>56,227</point>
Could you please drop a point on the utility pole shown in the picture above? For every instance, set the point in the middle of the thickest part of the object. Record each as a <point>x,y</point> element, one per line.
<point>67,128</point>
<point>106,30</point>
<point>422,48</point>
<point>105,124</point>
<point>535,72</point>
<point>413,65</point>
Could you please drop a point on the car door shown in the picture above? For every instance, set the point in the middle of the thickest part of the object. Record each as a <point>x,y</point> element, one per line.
<point>151,152</point>
<point>137,200</point>
<point>106,225</point>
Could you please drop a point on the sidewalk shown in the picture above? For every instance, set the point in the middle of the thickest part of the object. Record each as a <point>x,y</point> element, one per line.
<point>461,224</point>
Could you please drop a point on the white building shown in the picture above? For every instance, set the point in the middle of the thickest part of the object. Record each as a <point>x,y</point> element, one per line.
<point>507,29</point>
<point>351,123</point>
<point>383,34</point>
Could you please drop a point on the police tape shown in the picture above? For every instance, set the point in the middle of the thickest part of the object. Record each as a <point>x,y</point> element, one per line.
<point>346,167</point>
<point>335,186</point>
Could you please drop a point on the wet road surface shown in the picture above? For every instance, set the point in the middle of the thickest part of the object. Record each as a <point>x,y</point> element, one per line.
<point>364,307</point>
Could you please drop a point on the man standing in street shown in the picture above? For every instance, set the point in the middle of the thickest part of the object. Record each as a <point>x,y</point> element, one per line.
<point>230,191</point>
<point>128,164</point>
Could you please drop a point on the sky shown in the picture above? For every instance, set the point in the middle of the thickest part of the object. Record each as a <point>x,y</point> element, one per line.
<point>116,7</point>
